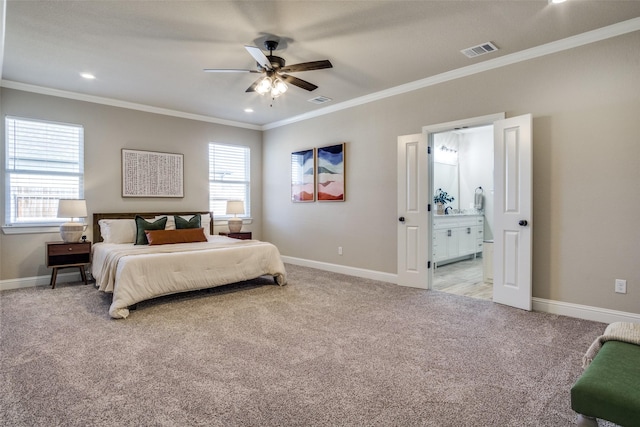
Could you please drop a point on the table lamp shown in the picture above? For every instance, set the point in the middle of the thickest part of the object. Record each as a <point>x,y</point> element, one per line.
<point>235,207</point>
<point>71,232</point>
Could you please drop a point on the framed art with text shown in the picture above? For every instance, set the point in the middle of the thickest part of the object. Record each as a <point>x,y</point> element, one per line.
<point>302,176</point>
<point>330,173</point>
<point>152,174</point>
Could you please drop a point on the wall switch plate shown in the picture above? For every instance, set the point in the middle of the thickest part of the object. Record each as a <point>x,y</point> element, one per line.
<point>621,286</point>
<point>339,250</point>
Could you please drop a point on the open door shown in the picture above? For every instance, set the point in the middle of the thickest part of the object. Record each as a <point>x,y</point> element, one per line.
<point>413,216</point>
<point>512,248</point>
<point>513,207</point>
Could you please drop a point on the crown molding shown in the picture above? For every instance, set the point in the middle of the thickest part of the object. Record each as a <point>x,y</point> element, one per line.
<point>123,104</point>
<point>593,36</point>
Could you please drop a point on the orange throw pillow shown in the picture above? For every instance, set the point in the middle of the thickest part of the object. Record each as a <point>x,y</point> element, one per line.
<point>184,235</point>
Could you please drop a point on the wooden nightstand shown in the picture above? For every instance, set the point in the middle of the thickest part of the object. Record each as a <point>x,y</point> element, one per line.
<point>66,255</point>
<point>243,235</point>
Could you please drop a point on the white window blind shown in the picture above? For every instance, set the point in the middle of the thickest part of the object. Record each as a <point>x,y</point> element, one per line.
<point>44,163</point>
<point>228,177</point>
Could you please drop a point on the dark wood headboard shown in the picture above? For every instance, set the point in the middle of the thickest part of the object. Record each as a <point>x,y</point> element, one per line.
<point>97,237</point>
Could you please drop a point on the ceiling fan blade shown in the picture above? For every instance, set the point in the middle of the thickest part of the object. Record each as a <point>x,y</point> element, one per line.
<point>228,70</point>
<point>260,57</point>
<point>298,82</point>
<point>307,66</point>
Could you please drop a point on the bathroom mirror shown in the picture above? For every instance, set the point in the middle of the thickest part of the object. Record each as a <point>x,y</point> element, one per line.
<point>446,177</point>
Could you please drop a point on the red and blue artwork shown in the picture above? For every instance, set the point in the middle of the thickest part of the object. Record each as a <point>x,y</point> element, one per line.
<point>330,173</point>
<point>302,176</point>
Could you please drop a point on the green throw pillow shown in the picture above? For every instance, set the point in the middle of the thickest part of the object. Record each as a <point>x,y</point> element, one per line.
<point>194,222</point>
<point>143,225</point>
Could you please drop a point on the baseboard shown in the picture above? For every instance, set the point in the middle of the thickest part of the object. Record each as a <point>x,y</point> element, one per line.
<point>28,282</point>
<point>579,311</point>
<point>587,312</point>
<point>343,269</point>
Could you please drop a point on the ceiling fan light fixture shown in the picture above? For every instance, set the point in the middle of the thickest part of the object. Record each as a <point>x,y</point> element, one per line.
<point>272,81</point>
<point>278,88</point>
<point>264,86</point>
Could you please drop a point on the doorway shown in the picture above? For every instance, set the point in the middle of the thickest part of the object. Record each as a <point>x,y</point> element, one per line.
<point>462,228</point>
<point>512,207</point>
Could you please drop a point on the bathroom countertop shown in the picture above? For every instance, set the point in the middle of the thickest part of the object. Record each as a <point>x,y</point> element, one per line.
<point>461,214</point>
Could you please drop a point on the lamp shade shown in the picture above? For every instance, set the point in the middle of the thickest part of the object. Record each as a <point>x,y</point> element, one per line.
<point>235,207</point>
<point>71,232</point>
<point>72,208</point>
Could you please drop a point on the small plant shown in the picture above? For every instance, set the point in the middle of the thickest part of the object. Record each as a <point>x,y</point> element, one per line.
<point>442,196</point>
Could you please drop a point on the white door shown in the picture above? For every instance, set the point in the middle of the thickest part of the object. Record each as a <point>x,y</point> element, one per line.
<point>413,215</point>
<point>513,212</point>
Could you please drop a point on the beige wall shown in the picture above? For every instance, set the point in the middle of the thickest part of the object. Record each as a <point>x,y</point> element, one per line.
<point>585,103</point>
<point>107,130</point>
<point>586,108</point>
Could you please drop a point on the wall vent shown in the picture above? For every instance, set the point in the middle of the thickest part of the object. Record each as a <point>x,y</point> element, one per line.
<point>481,49</point>
<point>319,100</point>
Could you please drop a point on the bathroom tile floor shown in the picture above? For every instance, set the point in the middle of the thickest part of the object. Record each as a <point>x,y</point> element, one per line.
<point>463,278</point>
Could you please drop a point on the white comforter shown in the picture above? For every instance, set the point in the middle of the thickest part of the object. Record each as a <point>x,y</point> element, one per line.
<point>135,273</point>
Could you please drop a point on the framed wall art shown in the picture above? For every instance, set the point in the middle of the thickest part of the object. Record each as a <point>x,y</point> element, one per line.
<point>330,173</point>
<point>152,174</point>
<point>302,176</point>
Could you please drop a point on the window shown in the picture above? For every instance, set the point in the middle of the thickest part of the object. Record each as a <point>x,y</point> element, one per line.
<point>228,177</point>
<point>44,163</point>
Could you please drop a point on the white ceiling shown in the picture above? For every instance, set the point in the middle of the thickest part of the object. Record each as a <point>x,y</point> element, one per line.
<point>152,52</point>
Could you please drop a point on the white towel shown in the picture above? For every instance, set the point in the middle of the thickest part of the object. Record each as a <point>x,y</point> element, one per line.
<point>478,201</point>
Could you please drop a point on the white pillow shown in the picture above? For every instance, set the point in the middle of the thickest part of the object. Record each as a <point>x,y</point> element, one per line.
<point>118,230</point>
<point>205,221</point>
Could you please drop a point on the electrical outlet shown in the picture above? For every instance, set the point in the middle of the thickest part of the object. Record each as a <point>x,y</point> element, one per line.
<point>621,286</point>
<point>339,250</point>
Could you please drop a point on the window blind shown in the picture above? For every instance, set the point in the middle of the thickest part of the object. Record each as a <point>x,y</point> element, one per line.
<point>44,163</point>
<point>229,177</point>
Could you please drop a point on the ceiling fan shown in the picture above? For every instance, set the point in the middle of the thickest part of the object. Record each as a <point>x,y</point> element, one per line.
<point>274,68</point>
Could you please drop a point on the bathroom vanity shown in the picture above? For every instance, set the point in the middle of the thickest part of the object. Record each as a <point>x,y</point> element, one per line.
<point>456,237</point>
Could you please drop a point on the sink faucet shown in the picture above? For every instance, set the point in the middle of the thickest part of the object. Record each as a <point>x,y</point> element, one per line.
<point>446,211</point>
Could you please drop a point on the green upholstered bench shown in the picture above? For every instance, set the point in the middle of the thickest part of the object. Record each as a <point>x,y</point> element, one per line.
<point>609,388</point>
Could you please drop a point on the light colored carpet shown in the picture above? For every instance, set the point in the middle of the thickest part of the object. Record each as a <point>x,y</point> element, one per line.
<point>326,349</point>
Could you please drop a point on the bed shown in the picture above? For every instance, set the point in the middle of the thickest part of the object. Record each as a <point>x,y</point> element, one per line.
<point>135,272</point>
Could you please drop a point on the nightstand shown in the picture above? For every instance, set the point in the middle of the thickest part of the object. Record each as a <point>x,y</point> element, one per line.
<point>67,255</point>
<point>242,235</point>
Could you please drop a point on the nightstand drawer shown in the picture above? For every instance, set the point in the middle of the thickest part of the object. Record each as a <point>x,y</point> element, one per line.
<point>67,249</point>
<point>61,254</point>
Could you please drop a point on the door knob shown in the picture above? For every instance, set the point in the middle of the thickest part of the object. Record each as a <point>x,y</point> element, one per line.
<point>401,219</point>
<point>523,222</point>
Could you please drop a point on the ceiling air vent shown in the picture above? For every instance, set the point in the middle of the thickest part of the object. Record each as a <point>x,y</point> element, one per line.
<point>319,100</point>
<point>481,49</point>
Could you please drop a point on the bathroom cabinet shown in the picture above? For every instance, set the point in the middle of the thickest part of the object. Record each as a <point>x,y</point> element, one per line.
<point>456,237</point>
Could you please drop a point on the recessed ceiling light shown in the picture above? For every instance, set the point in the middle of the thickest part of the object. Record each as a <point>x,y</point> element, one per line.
<point>248,110</point>
<point>87,76</point>
<point>556,1</point>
